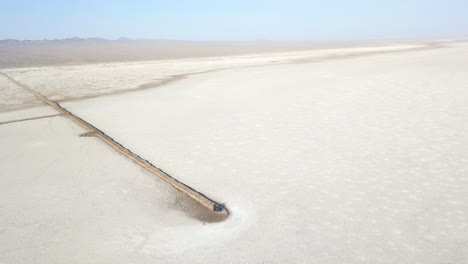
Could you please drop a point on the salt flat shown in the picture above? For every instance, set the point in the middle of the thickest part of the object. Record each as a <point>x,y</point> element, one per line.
<point>349,161</point>
<point>357,160</point>
<point>75,82</point>
<point>26,113</point>
<point>13,97</point>
<point>71,199</point>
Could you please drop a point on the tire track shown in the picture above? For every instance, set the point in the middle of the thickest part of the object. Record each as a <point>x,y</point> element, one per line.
<point>27,119</point>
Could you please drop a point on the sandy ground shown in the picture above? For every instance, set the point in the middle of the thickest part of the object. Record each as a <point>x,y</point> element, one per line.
<point>359,160</point>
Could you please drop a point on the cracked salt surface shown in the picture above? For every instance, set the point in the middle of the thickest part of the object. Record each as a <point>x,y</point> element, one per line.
<point>349,161</point>
<point>69,199</point>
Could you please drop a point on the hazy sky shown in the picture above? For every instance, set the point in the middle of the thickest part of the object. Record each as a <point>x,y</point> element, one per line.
<point>234,19</point>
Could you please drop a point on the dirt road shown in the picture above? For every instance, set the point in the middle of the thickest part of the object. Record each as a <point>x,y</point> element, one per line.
<point>216,211</point>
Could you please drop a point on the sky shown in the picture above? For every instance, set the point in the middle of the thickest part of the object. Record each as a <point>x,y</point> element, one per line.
<point>235,19</point>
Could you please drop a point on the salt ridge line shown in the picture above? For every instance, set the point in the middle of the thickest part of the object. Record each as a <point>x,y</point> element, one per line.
<point>215,207</point>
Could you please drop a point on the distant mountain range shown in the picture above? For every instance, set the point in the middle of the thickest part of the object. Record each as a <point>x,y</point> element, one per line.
<point>66,40</point>
<point>122,39</point>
